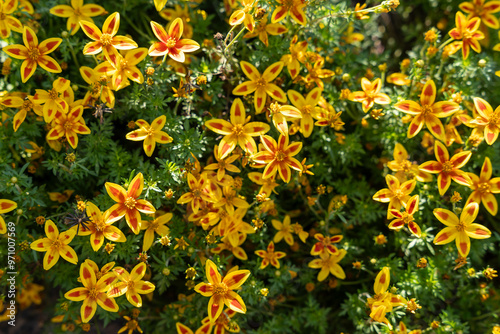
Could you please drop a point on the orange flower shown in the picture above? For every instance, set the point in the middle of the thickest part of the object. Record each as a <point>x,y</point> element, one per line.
<point>484,187</point>
<point>478,8</point>
<point>238,131</point>
<point>128,204</point>
<point>427,112</point>
<point>261,84</point>
<point>292,7</point>
<point>77,12</point>
<point>487,119</point>
<point>106,41</point>
<point>53,99</point>
<point>370,94</point>
<point>55,245</point>
<point>34,54</point>
<point>279,157</point>
<point>69,125</point>
<point>460,230</point>
<point>171,43</point>
<point>448,169</point>
<point>270,256</point>
<point>93,292</point>
<point>466,30</point>
<point>151,134</point>
<point>7,21</point>
<point>220,290</point>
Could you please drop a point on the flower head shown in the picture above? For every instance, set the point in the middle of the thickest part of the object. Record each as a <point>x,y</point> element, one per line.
<point>106,41</point>
<point>239,131</point>
<point>131,284</point>
<point>220,290</point>
<point>448,169</point>
<point>77,12</point>
<point>55,245</point>
<point>151,134</point>
<point>171,43</point>
<point>279,157</point>
<point>460,230</point>
<point>128,203</point>
<point>34,54</point>
<point>261,84</point>
<point>93,292</point>
<point>484,187</point>
<point>427,112</point>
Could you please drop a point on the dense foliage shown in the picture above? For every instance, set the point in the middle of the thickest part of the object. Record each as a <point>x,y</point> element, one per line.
<point>249,166</point>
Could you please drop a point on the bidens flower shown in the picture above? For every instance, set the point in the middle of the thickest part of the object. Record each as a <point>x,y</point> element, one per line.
<point>34,54</point>
<point>460,230</point>
<point>151,134</point>
<point>220,290</point>
<point>171,43</point>
<point>55,245</point>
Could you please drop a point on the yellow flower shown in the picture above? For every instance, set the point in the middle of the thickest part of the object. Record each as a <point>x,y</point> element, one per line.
<point>261,84</point>
<point>34,54</point>
<point>154,226</point>
<point>238,131</point>
<point>100,228</point>
<point>460,230</point>
<point>93,292</point>
<point>55,245</point>
<point>131,284</point>
<point>151,134</point>
<point>220,290</point>
<point>284,230</point>
<point>69,125</point>
<point>370,94</point>
<point>77,12</point>
<point>263,29</point>
<point>279,157</point>
<point>106,41</point>
<point>328,263</point>
<point>6,205</point>
<point>128,204</point>
<point>171,43</point>
<point>7,21</point>
<point>270,256</point>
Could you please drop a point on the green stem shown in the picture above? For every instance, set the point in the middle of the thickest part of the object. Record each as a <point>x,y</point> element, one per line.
<point>177,105</point>
<point>73,54</point>
<point>234,39</point>
<point>446,43</point>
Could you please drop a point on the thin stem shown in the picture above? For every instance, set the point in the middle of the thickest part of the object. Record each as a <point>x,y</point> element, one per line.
<point>446,43</point>
<point>234,39</point>
<point>73,54</point>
